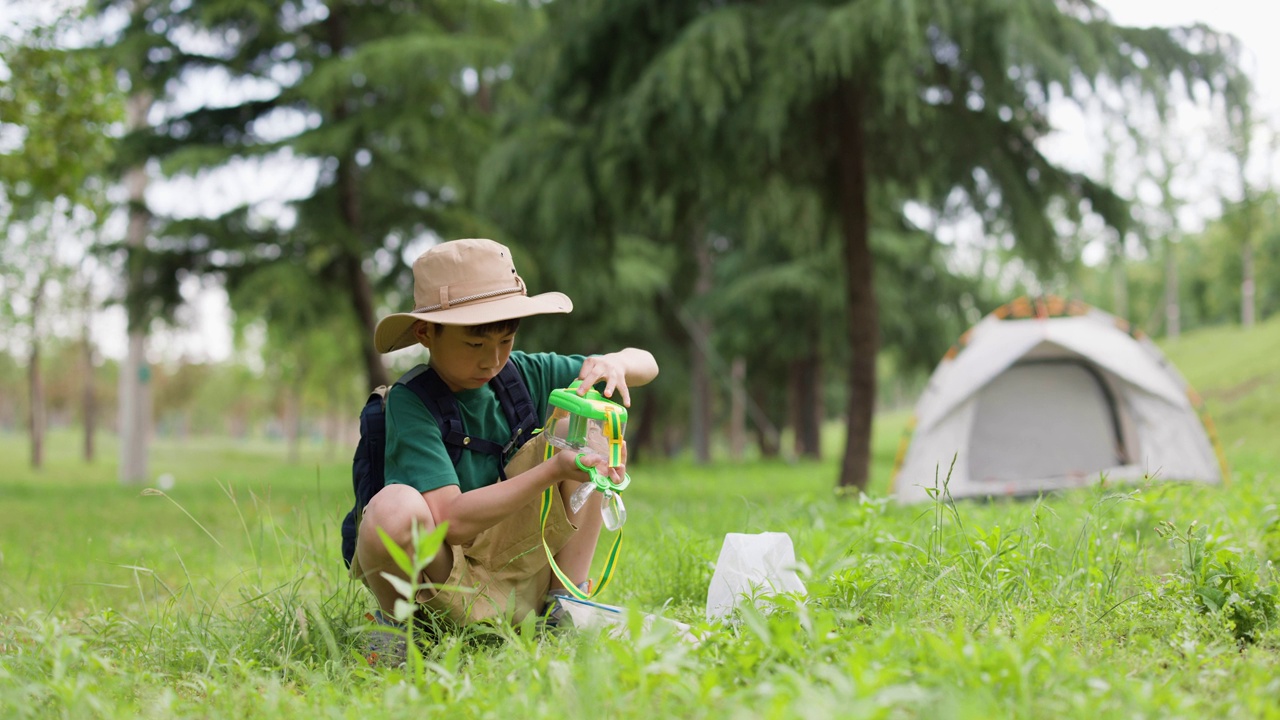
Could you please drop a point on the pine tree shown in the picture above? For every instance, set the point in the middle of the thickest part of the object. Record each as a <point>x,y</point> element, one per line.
<point>387,104</point>
<point>865,100</point>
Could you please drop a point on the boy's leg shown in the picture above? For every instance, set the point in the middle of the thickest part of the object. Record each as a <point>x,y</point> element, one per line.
<point>395,509</point>
<point>576,555</point>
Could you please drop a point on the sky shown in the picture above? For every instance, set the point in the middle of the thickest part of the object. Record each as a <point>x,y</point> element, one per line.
<point>206,334</point>
<point>1253,23</point>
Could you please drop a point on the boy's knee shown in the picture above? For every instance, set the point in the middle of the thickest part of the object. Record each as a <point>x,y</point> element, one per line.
<point>395,509</point>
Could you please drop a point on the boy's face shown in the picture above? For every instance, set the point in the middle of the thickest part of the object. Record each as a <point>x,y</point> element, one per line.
<point>463,358</point>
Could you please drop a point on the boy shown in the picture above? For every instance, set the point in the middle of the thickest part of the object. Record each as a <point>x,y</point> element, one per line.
<point>469,302</point>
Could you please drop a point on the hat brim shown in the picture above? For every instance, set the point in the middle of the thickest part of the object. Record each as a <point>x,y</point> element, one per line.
<point>396,331</point>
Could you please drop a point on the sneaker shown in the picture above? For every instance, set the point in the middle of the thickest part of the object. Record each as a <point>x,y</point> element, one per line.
<point>384,643</point>
<point>553,610</point>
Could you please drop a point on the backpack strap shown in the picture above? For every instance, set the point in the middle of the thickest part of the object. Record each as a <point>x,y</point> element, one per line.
<point>522,415</point>
<point>513,398</point>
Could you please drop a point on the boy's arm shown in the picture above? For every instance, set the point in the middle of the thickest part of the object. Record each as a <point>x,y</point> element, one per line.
<point>471,513</point>
<point>619,370</point>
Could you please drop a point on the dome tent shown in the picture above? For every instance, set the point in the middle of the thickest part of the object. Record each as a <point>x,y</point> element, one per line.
<point>1048,394</point>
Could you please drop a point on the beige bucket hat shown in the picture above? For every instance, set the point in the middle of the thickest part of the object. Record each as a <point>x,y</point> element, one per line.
<point>465,282</point>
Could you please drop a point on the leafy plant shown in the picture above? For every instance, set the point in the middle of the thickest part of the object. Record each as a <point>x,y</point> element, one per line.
<point>424,549</point>
<point>1219,579</point>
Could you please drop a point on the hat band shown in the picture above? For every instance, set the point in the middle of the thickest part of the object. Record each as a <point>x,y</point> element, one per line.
<point>472,298</point>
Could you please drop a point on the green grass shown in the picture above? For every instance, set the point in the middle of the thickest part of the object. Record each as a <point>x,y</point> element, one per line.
<point>1238,375</point>
<point>226,597</point>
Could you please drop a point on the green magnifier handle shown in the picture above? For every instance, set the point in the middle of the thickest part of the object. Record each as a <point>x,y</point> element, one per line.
<point>599,479</point>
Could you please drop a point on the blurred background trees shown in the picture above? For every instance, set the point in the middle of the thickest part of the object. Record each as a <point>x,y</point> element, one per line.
<point>57,108</point>
<point>796,207</point>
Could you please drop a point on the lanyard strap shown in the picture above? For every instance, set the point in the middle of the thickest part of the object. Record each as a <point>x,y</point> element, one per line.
<point>610,563</point>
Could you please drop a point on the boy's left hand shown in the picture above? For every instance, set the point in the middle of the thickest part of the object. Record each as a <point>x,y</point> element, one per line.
<point>614,474</point>
<point>608,369</point>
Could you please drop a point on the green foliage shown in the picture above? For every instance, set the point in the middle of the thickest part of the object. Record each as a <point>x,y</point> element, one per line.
<point>1209,272</point>
<point>924,305</point>
<point>640,138</point>
<point>1214,268</point>
<point>688,73</point>
<point>388,105</point>
<point>1218,579</point>
<point>723,119</point>
<point>61,106</point>
<point>59,109</point>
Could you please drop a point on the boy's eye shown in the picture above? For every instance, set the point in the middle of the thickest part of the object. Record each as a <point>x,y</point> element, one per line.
<point>476,346</point>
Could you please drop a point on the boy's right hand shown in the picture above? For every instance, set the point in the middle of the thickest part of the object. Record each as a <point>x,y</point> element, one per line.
<point>609,370</point>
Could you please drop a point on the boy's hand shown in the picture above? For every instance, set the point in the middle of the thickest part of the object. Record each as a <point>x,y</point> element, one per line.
<point>569,469</point>
<point>609,369</point>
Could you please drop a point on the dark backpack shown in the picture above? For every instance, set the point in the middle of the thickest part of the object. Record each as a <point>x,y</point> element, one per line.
<point>367,465</point>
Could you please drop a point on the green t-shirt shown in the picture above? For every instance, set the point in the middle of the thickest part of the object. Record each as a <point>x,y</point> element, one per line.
<point>416,455</point>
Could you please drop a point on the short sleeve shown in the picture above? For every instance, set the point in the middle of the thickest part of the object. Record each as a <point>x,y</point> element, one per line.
<point>415,453</point>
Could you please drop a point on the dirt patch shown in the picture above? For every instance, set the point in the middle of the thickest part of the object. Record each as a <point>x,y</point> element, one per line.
<point>1236,392</point>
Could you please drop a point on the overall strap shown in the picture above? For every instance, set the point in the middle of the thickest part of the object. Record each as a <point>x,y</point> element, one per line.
<point>611,560</point>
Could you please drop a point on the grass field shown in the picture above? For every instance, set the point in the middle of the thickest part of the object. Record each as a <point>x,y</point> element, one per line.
<point>225,596</point>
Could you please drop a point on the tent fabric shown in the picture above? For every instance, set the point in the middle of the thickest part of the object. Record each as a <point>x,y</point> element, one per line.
<point>1035,403</point>
<point>1040,420</point>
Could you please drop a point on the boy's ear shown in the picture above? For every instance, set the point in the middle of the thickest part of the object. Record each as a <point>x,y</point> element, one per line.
<point>422,331</point>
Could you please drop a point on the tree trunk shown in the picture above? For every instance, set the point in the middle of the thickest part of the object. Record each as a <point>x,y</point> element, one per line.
<point>135,395</point>
<point>738,409</point>
<point>766,399</point>
<point>1169,205</point>
<point>1172,311</point>
<point>89,399</point>
<point>333,423</point>
<point>349,205</point>
<point>699,406</point>
<point>1120,283</point>
<point>805,398</point>
<point>1243,151</point>
<point>1247,300</point>
<point>293,422</point>
<point>35,387</point>
<point>135,412</point>
<point>770,443</point>
<point>238,424</point>
<point>863,328</point>
<point>362,301</point>
<point>641,424</point>
<point>699,362</point>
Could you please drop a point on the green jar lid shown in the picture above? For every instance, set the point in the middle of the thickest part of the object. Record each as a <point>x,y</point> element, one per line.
<point>592,405</point>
